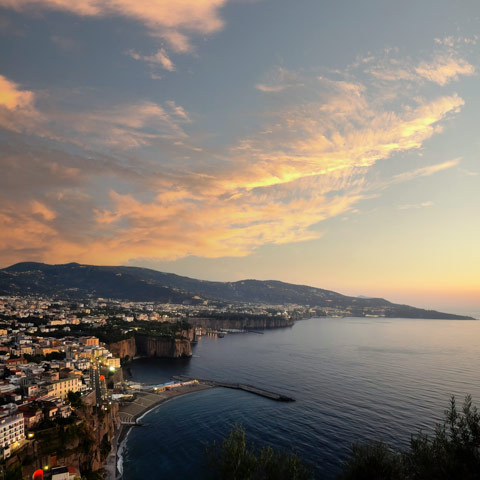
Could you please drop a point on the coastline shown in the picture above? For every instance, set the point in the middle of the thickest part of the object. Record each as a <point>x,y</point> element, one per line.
<point>114,463</point>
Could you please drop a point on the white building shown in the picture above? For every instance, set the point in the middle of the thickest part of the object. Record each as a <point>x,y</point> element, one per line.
<point>12,430</point>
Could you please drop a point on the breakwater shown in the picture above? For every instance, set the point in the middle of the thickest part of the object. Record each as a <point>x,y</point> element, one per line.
<point>239,386</point>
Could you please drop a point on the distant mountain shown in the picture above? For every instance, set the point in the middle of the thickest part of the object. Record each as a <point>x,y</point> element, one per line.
<point>73,280</point>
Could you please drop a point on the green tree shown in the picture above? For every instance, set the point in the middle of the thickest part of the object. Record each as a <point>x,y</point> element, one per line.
<point>234,459</point>
<point>75,399</point>
<point>451,453</point>
<point>14,472</point>
<point>454,450</point>
<point>373,461</point>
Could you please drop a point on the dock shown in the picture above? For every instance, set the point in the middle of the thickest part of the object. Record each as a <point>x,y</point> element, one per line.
<point>239,386</point>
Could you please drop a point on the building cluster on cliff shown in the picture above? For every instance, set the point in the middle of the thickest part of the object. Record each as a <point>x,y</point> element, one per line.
<point>43,379</point>
<point>53,359</point>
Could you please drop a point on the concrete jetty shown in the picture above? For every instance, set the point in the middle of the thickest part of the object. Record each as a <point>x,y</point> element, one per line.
<point>239,386</point>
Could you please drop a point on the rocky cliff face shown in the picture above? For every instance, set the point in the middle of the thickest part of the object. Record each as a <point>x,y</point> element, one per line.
<point>83,445</point>
<point>147,346</point>
<point>188,333</point>
<point>163,347</point>
<point>123,348</point>
<point>255,324</point>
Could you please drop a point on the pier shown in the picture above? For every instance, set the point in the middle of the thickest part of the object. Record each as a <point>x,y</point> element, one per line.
<point>239,386</point>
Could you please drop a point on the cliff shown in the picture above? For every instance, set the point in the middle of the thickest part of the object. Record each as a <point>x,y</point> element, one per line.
<point>123,348</point>
<point>150,346</point>
<point>248,323</point>
<point>163,347</point>
<point>84,443</point>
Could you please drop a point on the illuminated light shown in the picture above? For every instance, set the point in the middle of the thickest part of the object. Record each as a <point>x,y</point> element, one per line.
<point>46,467</point>
<point>31,435</point>
<point>112,369</point>
<point>102,378</point>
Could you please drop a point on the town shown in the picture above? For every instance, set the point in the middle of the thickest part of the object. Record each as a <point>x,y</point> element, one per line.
<point>55,361</point>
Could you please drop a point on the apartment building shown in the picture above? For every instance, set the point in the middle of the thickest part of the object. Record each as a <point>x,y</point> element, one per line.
<point>12,430</point>
<point>61,387</point>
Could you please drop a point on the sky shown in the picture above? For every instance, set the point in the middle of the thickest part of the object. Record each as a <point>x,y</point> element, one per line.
<point>328,143</point>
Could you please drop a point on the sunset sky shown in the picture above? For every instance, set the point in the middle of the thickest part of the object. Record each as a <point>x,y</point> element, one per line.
<point>328,143</point>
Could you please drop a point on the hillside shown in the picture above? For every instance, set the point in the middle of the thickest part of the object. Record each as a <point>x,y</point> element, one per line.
<point>141,284</point>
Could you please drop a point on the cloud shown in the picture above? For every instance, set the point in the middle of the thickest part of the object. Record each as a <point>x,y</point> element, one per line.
<point>173,21</point>
<point>424,171</point>
<point>39,208</point>
<point>444,67</point>
<point>64,43</point>
<point>308,161</point>
<point>456,41</point>
<point>270,88</point>
<point>124,126</point>
<point>416,205</point>
<point>468,173</point>
<point>159,58</point>
<point>443,70</point>
<point>17,107</point>
<point>278,80</point>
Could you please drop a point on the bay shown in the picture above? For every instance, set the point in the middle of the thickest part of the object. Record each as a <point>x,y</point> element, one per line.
<point>353,379</point>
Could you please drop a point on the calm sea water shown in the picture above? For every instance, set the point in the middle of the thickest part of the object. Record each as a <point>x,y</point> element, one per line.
<point>353,379</point>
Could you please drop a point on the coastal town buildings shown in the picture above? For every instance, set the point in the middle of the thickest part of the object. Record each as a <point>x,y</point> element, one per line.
<point>12,432</point>
<point>60,388</point>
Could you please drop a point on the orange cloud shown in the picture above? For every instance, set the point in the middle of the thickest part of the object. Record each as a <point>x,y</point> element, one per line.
<point>170,20</point>
<point>306,164</point>
<point>17,107</point>
<point>443,70</point>
<point>122,126</point>
<point>159,58</point>
<point>39,208</point>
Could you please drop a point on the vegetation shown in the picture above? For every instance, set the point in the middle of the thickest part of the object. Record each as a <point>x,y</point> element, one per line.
<point>234,459</point>
<point>14,472</point>
<point>41,358</point>
<point>75,399</point>
<point>451,453</point>
<point>162,329</point>
<point>116,329</point>
<point>105,447</point>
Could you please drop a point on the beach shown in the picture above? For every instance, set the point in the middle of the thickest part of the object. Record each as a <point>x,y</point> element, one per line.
<point>130,413</point>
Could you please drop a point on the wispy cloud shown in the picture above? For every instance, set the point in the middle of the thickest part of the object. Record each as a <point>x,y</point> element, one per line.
<point>443,69</point>
<point>416,206</point>
<point>64,43</point>
<point>173,21</point>
<point>159,58</point>
<point>121,126</point>
<point>278,80</point>
<point>17,107</point>
<point>308,162</point>
<point>424,171</point>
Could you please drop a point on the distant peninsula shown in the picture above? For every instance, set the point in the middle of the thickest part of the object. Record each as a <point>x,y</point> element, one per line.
<point>136,284</point>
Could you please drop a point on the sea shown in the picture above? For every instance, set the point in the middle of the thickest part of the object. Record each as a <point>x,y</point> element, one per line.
<point>353,379</point>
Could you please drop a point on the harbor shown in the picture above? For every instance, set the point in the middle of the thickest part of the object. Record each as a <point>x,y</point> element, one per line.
<point>239,386</point>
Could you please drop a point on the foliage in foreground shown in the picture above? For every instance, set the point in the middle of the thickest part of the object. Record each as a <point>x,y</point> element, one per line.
<point>452,453</point>
<point>234,459</point>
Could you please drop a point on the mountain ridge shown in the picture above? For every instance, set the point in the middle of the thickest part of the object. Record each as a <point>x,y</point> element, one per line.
<point>76,280</point>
